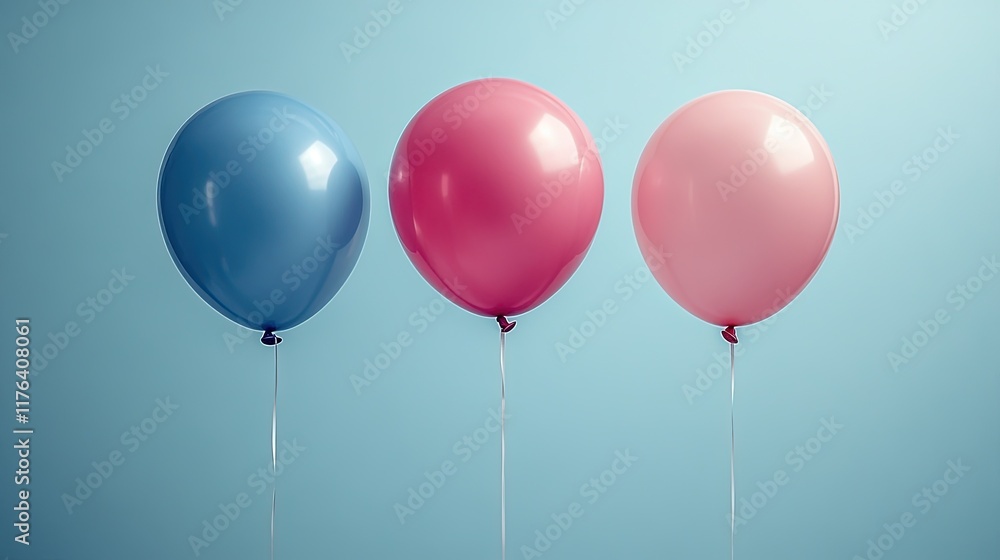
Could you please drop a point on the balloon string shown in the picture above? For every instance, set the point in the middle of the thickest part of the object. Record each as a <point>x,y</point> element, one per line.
<point>503,454</point>
<point>732,451</point>
<point>274,446</point>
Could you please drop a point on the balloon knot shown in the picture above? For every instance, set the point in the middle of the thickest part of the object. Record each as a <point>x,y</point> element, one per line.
<point>730,335</point>
<point>505,325</point>
<point>270,339</point>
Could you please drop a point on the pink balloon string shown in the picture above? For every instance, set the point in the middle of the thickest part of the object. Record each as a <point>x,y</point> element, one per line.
<point>730,335</point>
<point>505,327</point>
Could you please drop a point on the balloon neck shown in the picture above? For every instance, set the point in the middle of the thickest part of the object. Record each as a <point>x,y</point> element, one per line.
<point>729,333</point>
<point>505,325</point>
<point>270,339</point>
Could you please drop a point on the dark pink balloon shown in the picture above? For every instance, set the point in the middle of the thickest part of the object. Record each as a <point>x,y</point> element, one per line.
<point>496,191</point>
<point>740,191</point>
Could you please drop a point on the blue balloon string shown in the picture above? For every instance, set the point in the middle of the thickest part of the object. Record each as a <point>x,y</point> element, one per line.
<point>274,442</point>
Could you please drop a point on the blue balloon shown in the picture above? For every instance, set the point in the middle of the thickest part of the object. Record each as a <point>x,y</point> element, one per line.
<point>264,207</point>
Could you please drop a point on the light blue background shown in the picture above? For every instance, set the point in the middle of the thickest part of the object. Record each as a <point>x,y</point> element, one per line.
<point>825,355</point>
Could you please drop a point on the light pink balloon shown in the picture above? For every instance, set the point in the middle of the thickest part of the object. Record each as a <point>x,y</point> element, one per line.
<point>496,191</point>
<point>739,191</point>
